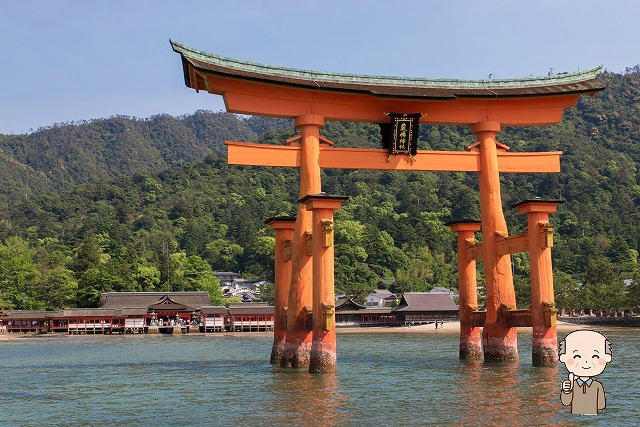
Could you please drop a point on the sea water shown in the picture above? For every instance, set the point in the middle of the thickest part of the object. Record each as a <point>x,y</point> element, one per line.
<point>382,379</point>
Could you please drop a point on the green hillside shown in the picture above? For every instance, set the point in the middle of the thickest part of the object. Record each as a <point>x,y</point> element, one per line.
<point>58,157</point>
<point>168,218</point>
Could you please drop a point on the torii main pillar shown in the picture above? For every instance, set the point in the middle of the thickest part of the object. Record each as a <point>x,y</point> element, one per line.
<point>500,341</point>
<point>299,336</point>
<point>323,348</point>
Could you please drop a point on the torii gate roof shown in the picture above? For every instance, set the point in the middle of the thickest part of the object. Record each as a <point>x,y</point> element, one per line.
<point>385,86</point>
<point>267,90</point>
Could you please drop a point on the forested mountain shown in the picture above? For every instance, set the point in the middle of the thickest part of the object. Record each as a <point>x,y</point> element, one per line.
<point>165,229</point>
<point>58,157</point>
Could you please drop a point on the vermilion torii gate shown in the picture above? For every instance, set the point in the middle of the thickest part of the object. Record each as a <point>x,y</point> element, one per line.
<point>310,98</point>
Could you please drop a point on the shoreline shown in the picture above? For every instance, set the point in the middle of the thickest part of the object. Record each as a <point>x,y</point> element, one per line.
<point>454,327</point>
<point>447,328</point>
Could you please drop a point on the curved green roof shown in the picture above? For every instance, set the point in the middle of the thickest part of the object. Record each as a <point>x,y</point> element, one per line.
<point>582,81</point>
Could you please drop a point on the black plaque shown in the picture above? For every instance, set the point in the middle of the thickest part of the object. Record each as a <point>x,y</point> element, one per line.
<point>400,136</point>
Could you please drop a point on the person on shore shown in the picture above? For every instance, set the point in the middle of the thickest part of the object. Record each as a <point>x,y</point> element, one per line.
<point>585,354</point>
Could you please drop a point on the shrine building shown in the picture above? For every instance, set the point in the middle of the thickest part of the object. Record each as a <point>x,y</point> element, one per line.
<point>144,312</point>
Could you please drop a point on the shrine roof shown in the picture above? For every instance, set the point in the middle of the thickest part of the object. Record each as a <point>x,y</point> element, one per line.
<point>426,301</point>
<point>346,303</point>
<point>24,314</point>
<point>145,299</point>
<point>388,86</point>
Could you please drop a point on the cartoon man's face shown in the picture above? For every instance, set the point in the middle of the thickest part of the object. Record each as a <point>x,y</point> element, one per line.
<point>585,354</point>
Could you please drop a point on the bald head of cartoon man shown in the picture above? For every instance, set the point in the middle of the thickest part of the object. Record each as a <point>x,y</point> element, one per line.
<point>585,353</point>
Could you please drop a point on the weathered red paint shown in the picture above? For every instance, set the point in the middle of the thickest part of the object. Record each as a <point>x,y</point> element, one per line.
<point>470,339</point>
<point>545,337</point>
<point>282,268</point>
<point>298,340</point>
<point>311,106</point>
<point>498,339</point>
<point>323,349</point>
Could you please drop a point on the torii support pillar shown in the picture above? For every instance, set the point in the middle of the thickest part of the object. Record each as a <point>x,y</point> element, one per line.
<point>470,339</point>
<point>283,228</point>
<point>323,349</point>
<point>499,340</point>
<point>298,340</point>
<point>543,310</point>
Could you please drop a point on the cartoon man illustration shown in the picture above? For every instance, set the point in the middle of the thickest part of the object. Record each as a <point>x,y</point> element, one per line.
<point>585,354</point>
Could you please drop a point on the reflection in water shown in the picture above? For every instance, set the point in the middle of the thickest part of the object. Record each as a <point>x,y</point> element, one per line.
<point>306,399</point>
<point>388,379</point>
<point>467,378</point>
<point>542,387</point>
<point>487,393</point>
<point>494,393</point>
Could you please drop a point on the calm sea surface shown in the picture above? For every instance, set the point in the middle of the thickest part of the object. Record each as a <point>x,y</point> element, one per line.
<point>383,379</point>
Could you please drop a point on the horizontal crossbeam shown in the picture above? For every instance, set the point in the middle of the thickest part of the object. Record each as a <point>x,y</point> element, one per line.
<point>504,246</point>
<point>249,154</point>
<point>477,318</point>
<point>519,318</point>
<point>513,318</point>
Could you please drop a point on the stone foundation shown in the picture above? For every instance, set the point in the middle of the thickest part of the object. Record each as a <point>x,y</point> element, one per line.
<point>322,358</point>
<point>277,352</point>
<point>296,355</point>
<point>544,351</point>
<point>500,349</point>
<point>471,350</point>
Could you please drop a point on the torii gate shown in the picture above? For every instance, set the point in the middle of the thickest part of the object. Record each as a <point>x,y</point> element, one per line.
<point>310,98</point>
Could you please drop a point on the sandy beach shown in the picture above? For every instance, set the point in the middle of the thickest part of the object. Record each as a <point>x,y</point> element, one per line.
<point>447,328</point>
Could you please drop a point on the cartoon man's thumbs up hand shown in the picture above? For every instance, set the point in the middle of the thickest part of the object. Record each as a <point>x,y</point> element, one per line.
<point>567,385</point>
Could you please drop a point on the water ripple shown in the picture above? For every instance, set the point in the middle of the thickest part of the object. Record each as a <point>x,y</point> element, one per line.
<point>383,379</point>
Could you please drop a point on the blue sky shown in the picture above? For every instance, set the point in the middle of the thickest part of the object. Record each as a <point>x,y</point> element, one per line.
<point>76,60</point>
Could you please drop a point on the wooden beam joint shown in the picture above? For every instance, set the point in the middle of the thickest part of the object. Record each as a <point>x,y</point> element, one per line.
<point>504,246</point>
<point>550,314</point>
<point>308,238</point>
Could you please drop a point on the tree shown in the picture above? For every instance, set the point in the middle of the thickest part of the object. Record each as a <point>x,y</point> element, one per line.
<point>423,271</point>
<point>224,254</point>
<point>192,273</point>
<point>634,291</point>
<point>94,282</point>
<point>384,257</point>
<point>147,277</point>
<point>522,287</point>
<point>125,212</point>
<point>87,255</point>
<point>356,280</point>
<point>603,285</point>
<point>567,291</point>
<point>56,288</point>
<point>18,275</point>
